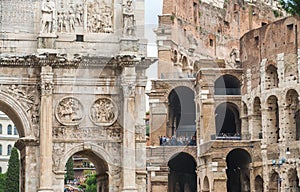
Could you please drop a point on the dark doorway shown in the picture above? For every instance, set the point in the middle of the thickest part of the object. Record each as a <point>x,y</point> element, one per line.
<point>182,112</point>
<point>227,121</point>
<point>182,175</point>
<point>238,173</point>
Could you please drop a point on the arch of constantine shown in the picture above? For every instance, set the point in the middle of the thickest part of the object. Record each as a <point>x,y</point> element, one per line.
<point>73,81</point>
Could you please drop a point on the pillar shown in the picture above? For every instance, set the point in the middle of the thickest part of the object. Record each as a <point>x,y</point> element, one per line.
<point>28,148</point>
<point>46,116</point>
<point>128,148</point>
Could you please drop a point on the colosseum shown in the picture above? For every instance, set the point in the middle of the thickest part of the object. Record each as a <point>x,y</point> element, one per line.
<point>224,111</point>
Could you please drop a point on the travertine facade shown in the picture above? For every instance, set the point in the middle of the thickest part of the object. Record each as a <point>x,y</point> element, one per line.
<point>73,81</point>
<point>238,64</point>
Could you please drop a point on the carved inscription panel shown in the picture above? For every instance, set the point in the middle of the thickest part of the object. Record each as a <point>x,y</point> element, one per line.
<point>17,15</point>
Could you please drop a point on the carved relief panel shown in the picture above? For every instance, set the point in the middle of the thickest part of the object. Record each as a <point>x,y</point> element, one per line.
<point>69,111</point>
<point>94,16</point>
<point>103,112</point>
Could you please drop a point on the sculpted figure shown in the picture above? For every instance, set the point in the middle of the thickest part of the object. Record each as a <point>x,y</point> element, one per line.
<point>128,18</point>
<point>48,17</point>
<point>107,20</point>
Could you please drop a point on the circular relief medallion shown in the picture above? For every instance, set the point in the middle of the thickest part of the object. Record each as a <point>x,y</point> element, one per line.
<point>69,111</point>
<point>104,112</point>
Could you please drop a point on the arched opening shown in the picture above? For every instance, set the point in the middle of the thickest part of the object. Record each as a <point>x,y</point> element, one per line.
<point>259,184</point>
<point>274,182</point>
<point>293,179</point>
<point>7,142</point>
<point>227,119</point>
<point>185,63</point>
<point>238,171</point>
<point>291,111</point>
<point>182,174</point>
<point>272,120</point>
<point>245,121</point>
<point>227,85</point>
<point>205,184</point>
<point>271,77</point>
<point>182,114</point>
<point>257,120</point>
<point>90,172</point>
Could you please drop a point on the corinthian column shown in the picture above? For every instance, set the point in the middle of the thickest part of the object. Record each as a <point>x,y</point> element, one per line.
<point>128,150</point>
<point>46,130</point>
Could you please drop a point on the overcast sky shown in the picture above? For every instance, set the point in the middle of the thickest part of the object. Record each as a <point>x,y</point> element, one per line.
<point>153,8</point>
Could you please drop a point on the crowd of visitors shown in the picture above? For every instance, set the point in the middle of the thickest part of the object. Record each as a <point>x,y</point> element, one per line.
<point>177,141</point>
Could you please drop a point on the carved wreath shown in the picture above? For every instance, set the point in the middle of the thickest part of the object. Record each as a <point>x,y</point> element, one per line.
<point>69,111</point>
<point>103,112</point>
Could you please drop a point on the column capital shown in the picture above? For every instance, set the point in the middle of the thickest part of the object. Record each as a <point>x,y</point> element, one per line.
<point>47,80</point>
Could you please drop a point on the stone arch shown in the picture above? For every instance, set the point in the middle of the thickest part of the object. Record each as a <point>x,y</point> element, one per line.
<point>15,111</point>
<point>292,115</point>
<point>99,151</point>
<point>185,62</point>
<point>206,187</point>
<point>182,174</point>
<point>99,157</point>
<point>271,80</point>
<point>257,119</point>
<point>272,129</point>
<point>244,109</point>
<point>274,182</point>
<point>227,120</point>
<point>245,121</point>
<point>181,112</point>
<point>188,150</point>
<point>259,184</point>
<point>175,56</point>
<point>238,170</point>
<point>293,180</point>
<point>227,85</point>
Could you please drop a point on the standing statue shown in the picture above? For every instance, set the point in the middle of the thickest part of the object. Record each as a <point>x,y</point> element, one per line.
<point>48,16</point>
<point>128,18</point>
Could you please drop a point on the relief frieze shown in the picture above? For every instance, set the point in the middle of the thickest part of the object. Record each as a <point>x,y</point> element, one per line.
<point>94,16</point>
<point>91,133</point>
<point>69,111</point>
<point>103,112</point>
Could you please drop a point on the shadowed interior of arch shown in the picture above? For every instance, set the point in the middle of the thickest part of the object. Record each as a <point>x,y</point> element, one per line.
<point>182,175</point>
<point>182,112</point>
<point>238,172</point>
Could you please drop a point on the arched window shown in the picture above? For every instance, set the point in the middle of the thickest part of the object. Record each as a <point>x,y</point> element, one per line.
<point>0,149</point>
<point>8,149</point>
<point>0,128</point>
<point>15,130</point>
<point>271,77</point>
<point>227,85</point>
<point>9,129</point>
<point>227,119</point>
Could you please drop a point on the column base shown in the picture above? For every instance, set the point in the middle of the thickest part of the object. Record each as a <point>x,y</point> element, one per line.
<point>129,189</point>
<point>45,190</point>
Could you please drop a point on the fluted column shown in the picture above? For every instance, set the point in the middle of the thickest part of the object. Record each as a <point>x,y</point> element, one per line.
<point>128,150</point>
<point>46,130</point>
